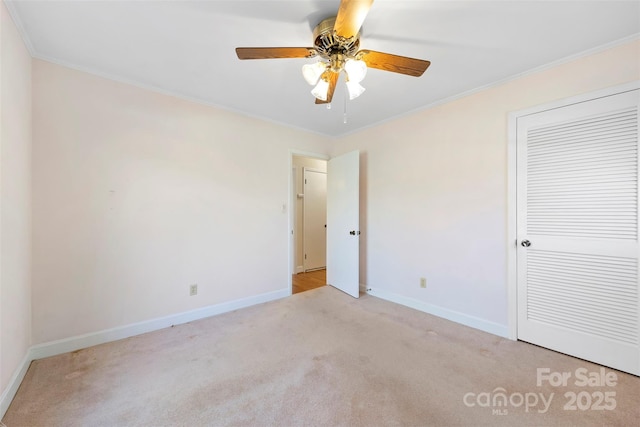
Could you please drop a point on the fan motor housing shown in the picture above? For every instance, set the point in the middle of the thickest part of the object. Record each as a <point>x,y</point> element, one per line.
<point>328,44</point>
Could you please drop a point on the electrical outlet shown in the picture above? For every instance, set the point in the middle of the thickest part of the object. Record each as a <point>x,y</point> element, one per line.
<point>193,290</point>
<point>423,282</point>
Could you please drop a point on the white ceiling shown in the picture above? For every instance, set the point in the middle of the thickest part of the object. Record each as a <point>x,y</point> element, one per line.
<point>186,48</point>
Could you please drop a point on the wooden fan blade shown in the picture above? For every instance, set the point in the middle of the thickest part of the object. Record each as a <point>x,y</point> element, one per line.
<point>351,16</point>
<point>333,81</point>
<point>394,63</point>
<point>275,52</point>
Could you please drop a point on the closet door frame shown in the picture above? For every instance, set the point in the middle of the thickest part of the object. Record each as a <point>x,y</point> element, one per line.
<point>512,187</point>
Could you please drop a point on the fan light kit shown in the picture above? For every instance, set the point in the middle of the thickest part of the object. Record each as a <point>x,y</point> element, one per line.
<point>337,54</point>
<point>337,43</point>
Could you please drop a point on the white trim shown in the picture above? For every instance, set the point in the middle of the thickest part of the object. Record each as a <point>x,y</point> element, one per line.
<point>18,23</point>
<point>66,345</point>
<point>512,285</point>
<point>512,273</point>
<point>175,94</point>
<point>291,224</point>
<point>37,55</point>
<point>500,82</point>
<point>87,340</point>
<point>304,211</point>
<point>309,154</point>
<point>589,96</point>
<point>445,313</point>
<point>292,214</point>
<point>306,169</point>
<point>14,383</point>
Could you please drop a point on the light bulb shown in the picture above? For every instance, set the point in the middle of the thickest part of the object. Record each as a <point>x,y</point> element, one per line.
<point>355,89</point>
<point>321,90</point>
<point>312,72</point>
<point>356,70</point>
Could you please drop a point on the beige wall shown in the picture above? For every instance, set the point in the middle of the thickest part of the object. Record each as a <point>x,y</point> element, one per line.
<point>299,163</point>
<point>435,189</point>
<point>137,195</point>
<point>15,200</point>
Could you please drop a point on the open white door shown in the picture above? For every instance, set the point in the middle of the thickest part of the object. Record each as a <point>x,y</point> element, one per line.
<point>343,223</point>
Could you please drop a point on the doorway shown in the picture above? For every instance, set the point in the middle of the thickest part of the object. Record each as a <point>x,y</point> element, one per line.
<point>342,220</point>
<point>303,282</point>
<point>309,222</point>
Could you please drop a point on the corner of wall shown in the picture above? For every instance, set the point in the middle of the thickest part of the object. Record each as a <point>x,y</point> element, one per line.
<point>15,205</point>
<point>14,383</point>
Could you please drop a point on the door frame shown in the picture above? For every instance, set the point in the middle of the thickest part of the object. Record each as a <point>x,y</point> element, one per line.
<point>304,216</point>
<point>512,278</point>
<point>292,200</point>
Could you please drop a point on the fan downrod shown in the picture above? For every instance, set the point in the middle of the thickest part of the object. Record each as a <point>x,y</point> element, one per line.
<point>333,47</point>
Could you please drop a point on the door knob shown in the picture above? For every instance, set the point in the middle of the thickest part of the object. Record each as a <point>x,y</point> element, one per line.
<point>525,243</point>
<point>353,232</point>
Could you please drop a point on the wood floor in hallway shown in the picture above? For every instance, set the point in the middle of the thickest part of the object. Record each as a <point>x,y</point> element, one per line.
<point>310,280</point>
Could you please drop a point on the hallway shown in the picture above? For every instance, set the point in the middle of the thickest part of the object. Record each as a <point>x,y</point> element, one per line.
<point>310,280</point>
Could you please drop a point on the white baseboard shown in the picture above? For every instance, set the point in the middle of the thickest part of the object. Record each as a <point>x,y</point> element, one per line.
<point>16,379</point>
<point>66,345</point>
<point>88,340</point>
<point>299,269</point>
<point>454,316</point>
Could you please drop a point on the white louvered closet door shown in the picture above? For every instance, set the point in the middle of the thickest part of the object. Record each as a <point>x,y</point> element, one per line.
<point>577,197</point>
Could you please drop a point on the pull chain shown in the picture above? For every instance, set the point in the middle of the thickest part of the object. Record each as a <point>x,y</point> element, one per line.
<point>344,118</point>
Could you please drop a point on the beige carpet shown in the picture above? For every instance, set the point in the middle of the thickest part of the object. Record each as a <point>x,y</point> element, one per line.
<point>318,358</point>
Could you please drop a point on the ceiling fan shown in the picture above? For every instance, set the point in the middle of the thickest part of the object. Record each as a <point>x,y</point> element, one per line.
<point>337,43</point>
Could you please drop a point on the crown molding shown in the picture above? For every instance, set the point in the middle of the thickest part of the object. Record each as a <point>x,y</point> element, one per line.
<point>18,23</point>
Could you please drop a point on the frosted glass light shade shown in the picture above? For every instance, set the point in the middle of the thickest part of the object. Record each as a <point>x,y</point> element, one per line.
<point>355,89</point>
<point>312,72</point>
<point>321,89</point>
<point>356,70</point>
